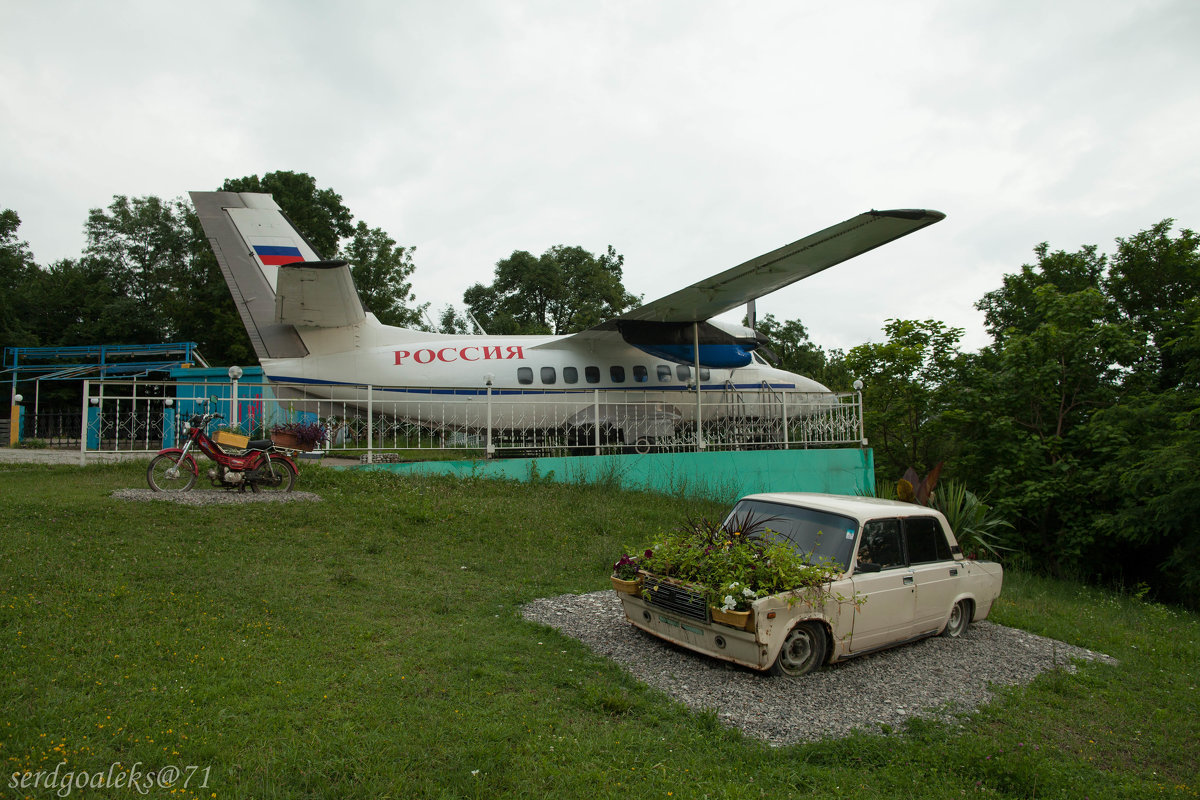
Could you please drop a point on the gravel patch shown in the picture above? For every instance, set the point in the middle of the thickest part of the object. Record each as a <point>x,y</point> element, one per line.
<point>937,678</point>
<point>215,497</point>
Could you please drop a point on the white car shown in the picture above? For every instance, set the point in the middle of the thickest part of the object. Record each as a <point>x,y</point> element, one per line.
<point>904,578</point>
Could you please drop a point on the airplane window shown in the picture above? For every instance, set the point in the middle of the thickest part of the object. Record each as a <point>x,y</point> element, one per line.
<point>549,375</point>
<point>591,374</point>
<point>616,374</point>
<point>570,375</point>
<point>664,373</point>
<point>683,372</point>
<point>524,375</point>
<point>640,374</point>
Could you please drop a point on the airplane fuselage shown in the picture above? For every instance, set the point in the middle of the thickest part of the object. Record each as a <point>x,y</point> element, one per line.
<point>528,381</point>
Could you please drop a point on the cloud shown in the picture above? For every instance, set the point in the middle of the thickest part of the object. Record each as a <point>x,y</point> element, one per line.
<point>689,136</point>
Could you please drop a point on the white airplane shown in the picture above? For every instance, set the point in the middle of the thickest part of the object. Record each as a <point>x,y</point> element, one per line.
<point>308,327</point>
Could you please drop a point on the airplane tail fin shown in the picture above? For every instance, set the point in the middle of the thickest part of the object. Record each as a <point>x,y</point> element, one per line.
<point>277,279</point>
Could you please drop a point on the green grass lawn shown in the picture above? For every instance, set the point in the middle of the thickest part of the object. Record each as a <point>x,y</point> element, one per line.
<point>371,646</point>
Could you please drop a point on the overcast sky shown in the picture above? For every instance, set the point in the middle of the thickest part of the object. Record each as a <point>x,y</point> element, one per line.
<point>691,135</point>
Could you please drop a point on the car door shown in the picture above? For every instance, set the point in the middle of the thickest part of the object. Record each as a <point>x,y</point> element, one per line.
<point>886,586</point>
<point>934,571</point>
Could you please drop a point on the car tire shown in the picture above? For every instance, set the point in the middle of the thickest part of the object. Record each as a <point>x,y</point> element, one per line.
<point>960,618</point>
<point>803,651</point>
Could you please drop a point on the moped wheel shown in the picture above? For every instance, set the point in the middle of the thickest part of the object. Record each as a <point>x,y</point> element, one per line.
<point>169,472</point>
<point>280,478</point>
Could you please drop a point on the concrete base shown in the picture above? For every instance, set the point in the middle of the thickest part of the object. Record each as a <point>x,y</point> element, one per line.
<point>720,475</point>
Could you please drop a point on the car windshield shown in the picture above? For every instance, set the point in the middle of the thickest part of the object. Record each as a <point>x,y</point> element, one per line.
<point>815,535</point>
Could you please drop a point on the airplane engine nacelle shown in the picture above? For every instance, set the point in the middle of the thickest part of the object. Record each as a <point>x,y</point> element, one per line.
<point>722,346</point>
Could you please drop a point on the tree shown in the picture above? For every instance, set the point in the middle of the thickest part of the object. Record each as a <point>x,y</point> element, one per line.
<point>1082,414</point>
<point>1151,281</point>
<point>1012,307</point>
<point>450,321</point>
<point>17,270</point>
<point>908,389</point>
<point>566,289</point>
<point>1029,417</point>
<point>793,351</point>
<point>381,270</point>
<point>143,248</point>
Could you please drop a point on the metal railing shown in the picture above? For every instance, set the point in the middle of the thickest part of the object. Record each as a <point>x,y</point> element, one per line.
<point>365,420</point>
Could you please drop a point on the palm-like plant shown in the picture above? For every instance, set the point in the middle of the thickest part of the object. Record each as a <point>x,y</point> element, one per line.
<point>977,527</point>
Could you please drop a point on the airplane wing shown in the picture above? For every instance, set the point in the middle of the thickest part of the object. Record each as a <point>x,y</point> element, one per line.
<point>664,327</point>
<point>779,268</point>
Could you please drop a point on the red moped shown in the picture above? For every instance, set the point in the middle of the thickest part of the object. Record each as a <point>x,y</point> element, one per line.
<point>260,467</point>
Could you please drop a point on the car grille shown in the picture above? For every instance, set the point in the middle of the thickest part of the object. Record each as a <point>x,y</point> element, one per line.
<point>670,596</point>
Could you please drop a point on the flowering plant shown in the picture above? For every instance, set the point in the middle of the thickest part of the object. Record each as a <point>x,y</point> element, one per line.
<point>626,568</point>
<point>739,598</point>
<point>735,563</point>
<point>307,432</point>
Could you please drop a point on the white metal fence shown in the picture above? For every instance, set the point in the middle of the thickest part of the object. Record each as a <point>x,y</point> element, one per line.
<point>141,415</point>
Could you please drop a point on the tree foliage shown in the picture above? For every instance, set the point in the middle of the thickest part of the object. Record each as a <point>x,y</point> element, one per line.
<point>381,271</point>
<point>908,390</point>
<point>566,289</point>
<point>1079,417</point>
<point>17,270</point>
<point>795,352</point>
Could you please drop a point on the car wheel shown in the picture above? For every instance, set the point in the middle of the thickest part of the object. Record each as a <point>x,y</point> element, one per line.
<point>960,618</point>
<point>803,651</point>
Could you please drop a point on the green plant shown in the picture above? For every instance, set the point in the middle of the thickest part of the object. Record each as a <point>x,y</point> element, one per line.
<point>977,528</point>
<point>626,568</point>
<point>34,444</point>
<point>735,563</point>
<point>307,432</point>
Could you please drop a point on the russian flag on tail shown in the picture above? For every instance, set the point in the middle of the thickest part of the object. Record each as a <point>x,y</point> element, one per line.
<point>275,256</point>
